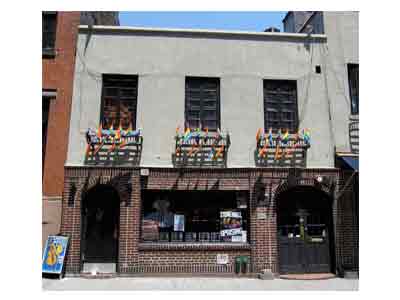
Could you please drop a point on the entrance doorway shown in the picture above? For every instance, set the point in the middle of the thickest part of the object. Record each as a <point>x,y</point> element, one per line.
<point>305,231</point>
<point>100,225</point>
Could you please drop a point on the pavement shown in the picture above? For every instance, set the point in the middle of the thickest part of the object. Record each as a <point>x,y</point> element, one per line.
<point>196,283</point>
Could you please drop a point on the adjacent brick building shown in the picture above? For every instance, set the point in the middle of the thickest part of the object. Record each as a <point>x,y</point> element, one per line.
<point>190,150</point>
<point>60,31</point>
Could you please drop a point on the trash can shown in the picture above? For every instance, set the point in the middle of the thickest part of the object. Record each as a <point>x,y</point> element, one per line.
<point>238,261</point>
<point>245,261</point>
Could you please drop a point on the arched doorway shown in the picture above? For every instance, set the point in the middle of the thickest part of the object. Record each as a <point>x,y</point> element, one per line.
<point>100,225</point>
<point>305,231</point>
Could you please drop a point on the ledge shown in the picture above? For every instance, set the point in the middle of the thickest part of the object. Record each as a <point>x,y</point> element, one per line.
<point>169,31</point>
<point>193,246</point>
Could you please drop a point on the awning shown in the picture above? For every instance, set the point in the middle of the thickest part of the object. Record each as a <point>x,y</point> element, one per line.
<point>350,161</point>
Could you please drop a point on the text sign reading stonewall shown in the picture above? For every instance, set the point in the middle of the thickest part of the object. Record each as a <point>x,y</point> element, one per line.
<point>54,253</point>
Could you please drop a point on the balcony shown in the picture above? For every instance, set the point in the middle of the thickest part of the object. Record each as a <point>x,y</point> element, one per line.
<point>107,147</point>
<point>282,150</point>
<point>201,149</point>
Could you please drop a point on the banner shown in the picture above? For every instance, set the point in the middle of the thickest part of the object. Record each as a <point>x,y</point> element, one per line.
<point>54,253</point>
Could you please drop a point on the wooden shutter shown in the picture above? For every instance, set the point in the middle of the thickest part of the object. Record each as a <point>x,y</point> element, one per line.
<point>202,104</point>
<point>119,101</point>
<point>280,105</point>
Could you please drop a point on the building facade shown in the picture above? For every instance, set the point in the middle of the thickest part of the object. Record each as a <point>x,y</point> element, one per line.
<point>60,31</point>
<point>192,150</point>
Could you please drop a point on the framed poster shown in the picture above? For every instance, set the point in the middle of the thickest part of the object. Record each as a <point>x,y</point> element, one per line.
<point>54,253</point>
<point>231,225</point>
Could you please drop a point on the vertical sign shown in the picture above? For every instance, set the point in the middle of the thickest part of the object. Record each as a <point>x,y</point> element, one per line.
<point>54,253</point>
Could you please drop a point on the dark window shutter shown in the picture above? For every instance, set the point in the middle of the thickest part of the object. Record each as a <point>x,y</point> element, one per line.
<point>280,105</point>
<point>119,101</point>
<point>202,103</point>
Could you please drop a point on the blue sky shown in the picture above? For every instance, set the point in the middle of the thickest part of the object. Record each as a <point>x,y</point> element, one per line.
<point>248,21</point>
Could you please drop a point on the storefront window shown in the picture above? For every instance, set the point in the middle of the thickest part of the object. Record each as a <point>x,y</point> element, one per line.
<point>194,216</point>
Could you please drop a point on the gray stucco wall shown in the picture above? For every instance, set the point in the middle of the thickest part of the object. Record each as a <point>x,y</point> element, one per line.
<point>162,62</point>
<point>341,29</point>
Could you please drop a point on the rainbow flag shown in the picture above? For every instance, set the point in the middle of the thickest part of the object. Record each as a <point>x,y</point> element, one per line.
<point>187,135</point>
<point>258,134</point>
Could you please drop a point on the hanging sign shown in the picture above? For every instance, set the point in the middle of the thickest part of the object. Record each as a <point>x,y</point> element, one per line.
<point>54,253</point>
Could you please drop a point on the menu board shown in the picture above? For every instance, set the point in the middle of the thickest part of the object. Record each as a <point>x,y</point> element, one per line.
<point>231,226</point>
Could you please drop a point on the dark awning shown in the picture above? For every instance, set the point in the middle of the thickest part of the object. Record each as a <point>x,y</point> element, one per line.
<point>351,161</point>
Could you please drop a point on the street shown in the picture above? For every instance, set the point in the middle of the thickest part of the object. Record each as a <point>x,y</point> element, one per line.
<point>198,283</point>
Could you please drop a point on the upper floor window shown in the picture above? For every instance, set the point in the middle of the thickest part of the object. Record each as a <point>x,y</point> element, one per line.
<point>119,101</point>
<point>49,26</point>
<point>353,87</point>
<point>202,103</point>
<point>280,105</point>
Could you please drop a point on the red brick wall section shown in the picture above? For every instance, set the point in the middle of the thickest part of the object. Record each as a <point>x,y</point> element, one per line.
<point>203,261</point>
<point>57,73</point>
<point>134,257</point>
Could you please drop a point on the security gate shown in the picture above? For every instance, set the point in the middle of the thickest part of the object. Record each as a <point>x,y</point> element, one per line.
<point>304,229</point>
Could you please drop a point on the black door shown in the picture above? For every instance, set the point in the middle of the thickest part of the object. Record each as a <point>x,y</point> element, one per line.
<point>304,243</point>
<point>100,218</point>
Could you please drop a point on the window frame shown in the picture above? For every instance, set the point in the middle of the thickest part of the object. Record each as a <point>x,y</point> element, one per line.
<point>103,96</point>
<point>281,108</point>
<point>203,80</point>
<point>350,68</point>
<point>49,51</point>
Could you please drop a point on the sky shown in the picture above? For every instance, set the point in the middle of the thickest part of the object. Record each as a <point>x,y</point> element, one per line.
<point>246,21</point>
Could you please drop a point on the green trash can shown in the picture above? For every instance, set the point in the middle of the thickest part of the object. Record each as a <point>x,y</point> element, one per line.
<point>245,261</point>
<point>238,261</point>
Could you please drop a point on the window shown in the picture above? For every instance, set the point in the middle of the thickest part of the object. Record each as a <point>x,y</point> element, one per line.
<point>194,216</point>
<point>49,25</point>
<point>353,87</point>
<point>119,101</point>
<point>202,103</point>
<point>280,105</point>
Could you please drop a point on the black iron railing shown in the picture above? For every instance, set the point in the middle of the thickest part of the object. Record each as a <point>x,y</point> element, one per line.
<point>282,150</point>
<point>110,146</point>
<point>201,148</point>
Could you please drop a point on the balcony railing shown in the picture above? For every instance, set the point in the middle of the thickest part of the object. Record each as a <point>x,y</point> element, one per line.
<point>282,150</point>
<point>201,148</point>
<point>113,147</point>
<point>354,136</point>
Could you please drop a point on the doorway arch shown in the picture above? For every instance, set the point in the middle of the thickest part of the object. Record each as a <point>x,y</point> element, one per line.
<point>305,230</point>
<point>100,225</point>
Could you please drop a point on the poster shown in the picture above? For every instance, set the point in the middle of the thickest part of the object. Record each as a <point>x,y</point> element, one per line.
<point>179,222</point>
<point>54,253</point>
<point>231,225</point>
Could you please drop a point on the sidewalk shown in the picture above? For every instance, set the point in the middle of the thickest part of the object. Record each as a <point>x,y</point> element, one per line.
<point>170,283</point>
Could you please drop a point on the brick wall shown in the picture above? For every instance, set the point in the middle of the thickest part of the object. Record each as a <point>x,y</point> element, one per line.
<point>57,73</point>
<point>135,257</point>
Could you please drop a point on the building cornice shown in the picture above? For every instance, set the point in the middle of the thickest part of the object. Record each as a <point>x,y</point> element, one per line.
<point>197,32</point>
